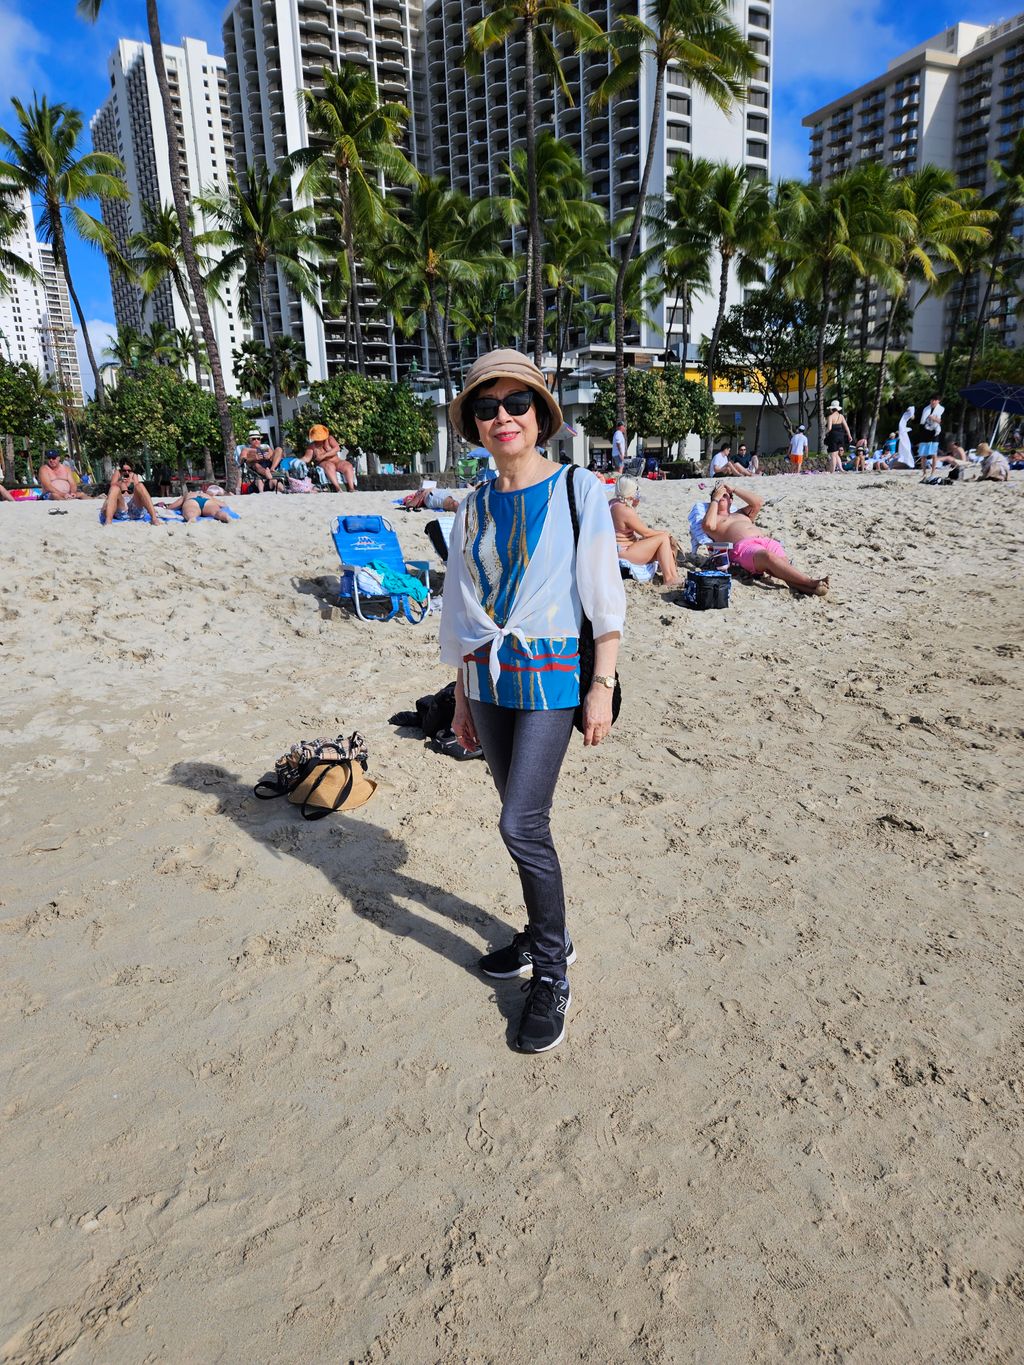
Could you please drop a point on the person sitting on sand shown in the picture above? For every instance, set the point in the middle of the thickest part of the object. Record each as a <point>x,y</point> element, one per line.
<point>57,479</point>
<point>756,553</point>
<point>128,498</point>
<point>995,467</point>
<point>635,542</point>
<point>5,496</point>
<point>722,463</point>
<point>325,452</point>
<point>953,455</point>
<point>748,460</point>
<point>195,505</point>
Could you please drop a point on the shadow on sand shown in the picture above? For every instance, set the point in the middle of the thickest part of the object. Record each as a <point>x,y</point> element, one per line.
<point>365,868</point>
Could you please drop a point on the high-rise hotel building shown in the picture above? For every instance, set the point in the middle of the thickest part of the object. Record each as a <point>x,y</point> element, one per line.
<point>955,101</point>
<point>275,49</point>
<point>476,122</point>
<point>131,125</point>
<point>36,326</point>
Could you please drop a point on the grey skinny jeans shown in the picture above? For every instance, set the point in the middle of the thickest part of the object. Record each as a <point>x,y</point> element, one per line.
<point>524,751</point>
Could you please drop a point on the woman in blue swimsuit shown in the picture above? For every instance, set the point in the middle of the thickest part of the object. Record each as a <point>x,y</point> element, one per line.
<point>196,505</point>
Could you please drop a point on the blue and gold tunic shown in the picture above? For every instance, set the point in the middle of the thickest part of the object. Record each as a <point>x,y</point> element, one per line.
<point>502,531</point>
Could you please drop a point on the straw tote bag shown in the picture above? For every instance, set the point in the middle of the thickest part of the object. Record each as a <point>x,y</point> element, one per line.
<point>321,776</point>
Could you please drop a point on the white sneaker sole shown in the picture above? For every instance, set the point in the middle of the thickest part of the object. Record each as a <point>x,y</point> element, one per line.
<point>525,970</point>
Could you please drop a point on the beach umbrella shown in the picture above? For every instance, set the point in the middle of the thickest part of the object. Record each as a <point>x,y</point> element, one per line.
<point>993,395</point>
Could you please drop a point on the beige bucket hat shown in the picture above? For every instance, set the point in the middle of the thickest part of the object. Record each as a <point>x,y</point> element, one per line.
<point>504,364</point>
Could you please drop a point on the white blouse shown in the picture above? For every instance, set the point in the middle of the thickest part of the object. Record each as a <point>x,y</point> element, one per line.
<point>551,598</point>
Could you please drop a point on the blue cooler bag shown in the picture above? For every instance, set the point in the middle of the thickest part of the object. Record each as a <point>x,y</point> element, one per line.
<point>707,589</point>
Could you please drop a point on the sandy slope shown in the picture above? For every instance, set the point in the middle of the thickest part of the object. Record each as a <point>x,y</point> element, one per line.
<point>258,1106</point>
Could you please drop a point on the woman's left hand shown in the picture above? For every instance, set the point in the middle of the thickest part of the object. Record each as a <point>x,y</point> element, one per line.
<point>597,714</point>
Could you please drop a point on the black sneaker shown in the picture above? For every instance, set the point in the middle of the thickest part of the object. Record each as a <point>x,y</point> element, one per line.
<point>516,959</point>
<point>543,1023</point>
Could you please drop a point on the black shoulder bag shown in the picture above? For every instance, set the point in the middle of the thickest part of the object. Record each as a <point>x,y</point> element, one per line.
<point>586,627</point>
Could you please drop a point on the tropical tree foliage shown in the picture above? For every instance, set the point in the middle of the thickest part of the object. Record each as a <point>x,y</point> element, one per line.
<point>42,159</point>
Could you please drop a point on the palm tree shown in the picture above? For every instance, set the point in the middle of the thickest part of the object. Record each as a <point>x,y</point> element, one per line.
<point>562,198</point>
<point>677,230</point>
<point>12,220</point>
<point>1006,200</point>
<point>577,260</point>
<point>42,161</point>
<point>825,240</point>
<point>736,214</point>
<point>437,250</point>
<point>934,221</point>
<point>354,147</point>
<point>540,21</point>
<point>252,370</point>
<point>292,365</point>
<point>701,39</point>
<point>125,352</point>
<point>156,255</point>
<point>258,235</point>
<point>90,10</point>
<point>159,346</point>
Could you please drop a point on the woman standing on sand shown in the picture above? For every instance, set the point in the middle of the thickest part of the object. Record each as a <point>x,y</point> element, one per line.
<point>513,603</point>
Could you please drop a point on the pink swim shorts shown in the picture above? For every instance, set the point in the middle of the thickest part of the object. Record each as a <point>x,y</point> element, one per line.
<point>743,552</point>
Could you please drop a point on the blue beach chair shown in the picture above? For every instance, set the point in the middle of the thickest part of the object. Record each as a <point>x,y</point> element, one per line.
<point>368,548</point>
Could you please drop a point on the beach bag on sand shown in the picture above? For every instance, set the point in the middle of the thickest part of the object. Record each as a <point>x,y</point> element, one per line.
<point>321,776</point>
<point>707,589</point>
<point>586,628</point>
<point>299,485</point>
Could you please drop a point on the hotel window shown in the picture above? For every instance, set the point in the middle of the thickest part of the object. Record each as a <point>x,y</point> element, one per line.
<point>758,149</point>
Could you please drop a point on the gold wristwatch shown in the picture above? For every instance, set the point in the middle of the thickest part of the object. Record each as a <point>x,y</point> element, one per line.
<point>605,681</point>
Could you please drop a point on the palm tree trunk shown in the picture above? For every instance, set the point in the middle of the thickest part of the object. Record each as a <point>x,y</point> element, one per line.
<point>559,348</point>
<point>188,251</point>
<point>534,200</point>
<point>60,250</point>
<point>876,406</point>
<point>947,358</point>
<point>437,332</point>
<point>757,424</point>
<point>353,288</point>
<point>527,293</point>
<point>671,324</point>
<point>723,289</point>
<point>275,366</point>
<point>634,236</point>
<point>197,350</point>
<point>819,378</point>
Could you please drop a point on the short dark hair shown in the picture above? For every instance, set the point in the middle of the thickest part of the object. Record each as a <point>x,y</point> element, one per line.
<point>122,464</point>
<point>726,445</point>
<point>544,420</point>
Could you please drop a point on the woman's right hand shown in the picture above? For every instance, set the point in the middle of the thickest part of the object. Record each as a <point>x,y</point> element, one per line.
<point>462,721</point>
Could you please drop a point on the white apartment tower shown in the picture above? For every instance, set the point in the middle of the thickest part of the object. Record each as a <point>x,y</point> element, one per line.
<point>476,122</point>
<point>957,101</point>
<point>275,49</point>
<point>35,315</point>
<point>131,125</point>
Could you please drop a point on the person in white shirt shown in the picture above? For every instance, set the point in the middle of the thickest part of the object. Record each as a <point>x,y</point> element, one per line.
<point>931,420</point>
<point>516,589</point>
<point>619,448</point>
<point>722,463</point>
<point>798,447</point>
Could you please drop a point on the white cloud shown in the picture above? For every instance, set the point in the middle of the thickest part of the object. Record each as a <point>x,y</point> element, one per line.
<point>23,46</point>
<point>101,333</point>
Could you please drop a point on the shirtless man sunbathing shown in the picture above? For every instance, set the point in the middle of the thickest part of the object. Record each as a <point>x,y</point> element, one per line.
<point>128,498</point>
<point>57,480</point>
<point>748,548</point>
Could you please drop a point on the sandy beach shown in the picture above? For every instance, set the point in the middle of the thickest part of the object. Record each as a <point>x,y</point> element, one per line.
<point>259,1106</point>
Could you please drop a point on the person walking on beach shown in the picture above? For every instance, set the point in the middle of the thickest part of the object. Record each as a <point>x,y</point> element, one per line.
<point>838,436</point>
<point>619,449</point>
<point>798,447</point>
<point>515,591</point>
<point>931,420</point>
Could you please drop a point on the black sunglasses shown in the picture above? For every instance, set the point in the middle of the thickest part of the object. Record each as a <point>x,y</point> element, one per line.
<point>485,408</point>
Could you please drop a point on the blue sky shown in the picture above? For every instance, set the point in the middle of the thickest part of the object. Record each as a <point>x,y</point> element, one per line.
<point>821,48</point>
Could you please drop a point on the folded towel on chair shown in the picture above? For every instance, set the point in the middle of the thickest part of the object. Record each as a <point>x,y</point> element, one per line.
<point>392,580</point>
